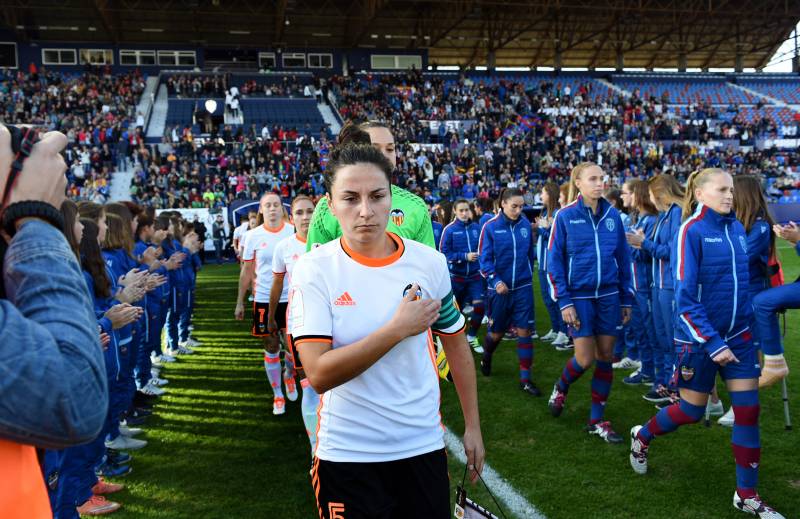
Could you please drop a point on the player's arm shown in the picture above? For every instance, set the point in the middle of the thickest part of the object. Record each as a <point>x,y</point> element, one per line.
<point>246,276</point>
<point>274,300</point>
<point>449,326</point>
<point>557,275</point>
<point>327,368</point>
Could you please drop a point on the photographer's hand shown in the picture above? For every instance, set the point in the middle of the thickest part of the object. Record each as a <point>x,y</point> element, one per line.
<point>42,177</point>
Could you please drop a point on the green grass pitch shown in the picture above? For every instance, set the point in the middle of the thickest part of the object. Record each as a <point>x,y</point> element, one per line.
<point>216,450</point>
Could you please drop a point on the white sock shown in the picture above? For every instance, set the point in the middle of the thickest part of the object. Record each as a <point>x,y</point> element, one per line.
<point>308,407</point>
<point>272,364</point>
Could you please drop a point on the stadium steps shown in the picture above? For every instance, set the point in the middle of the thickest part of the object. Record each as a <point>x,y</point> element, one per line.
<point>158,118</point>
<point>148,96</point>
<point>614,87</point>
<point>329,117</point>
<point>233,121</point>
<point>120,188</point>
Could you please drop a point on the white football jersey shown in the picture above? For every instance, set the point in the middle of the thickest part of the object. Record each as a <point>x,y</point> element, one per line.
<point>259,246</point>
<point>391,411</point>
<point>286,254</point>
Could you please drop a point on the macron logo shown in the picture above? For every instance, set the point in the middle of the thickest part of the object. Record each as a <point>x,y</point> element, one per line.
<point>344,300</point>
<point>712,240</point>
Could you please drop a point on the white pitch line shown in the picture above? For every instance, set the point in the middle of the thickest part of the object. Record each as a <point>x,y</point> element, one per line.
<point>514,501</point>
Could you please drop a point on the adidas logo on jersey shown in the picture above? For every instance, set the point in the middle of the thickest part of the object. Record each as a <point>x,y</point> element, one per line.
<point>344,300</point>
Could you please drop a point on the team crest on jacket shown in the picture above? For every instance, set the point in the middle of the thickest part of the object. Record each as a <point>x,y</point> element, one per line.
<point>743,241</point>
<point>397,216</point>
<point>687,373</point>
<point>610,225</point>
<point>524,232</point>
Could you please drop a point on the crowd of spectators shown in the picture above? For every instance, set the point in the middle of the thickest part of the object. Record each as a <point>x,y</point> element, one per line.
<point>198,173</point>
<point>95,109</point>
<point>455,135</point>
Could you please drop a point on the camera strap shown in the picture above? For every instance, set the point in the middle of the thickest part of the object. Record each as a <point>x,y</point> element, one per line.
<point>22,141</point>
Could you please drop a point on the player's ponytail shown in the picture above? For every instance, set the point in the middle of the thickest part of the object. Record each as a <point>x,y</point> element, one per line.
<point>352,133</point>
<point>574,175</point>
<point>696,180</point>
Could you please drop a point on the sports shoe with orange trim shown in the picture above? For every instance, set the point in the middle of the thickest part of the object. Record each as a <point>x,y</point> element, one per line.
<point>291,385</point>
<point>104,487</point>
<point>278,406</point>
<point>98,505</point>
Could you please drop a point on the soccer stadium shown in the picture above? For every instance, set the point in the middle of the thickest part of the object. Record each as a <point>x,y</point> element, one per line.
<point>391,259</point>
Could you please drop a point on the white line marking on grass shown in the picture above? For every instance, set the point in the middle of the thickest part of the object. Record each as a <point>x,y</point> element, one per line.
<point>514,501</point>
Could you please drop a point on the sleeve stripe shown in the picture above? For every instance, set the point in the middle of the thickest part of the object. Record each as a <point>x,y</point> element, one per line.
<point>682,233</point>
<point>450,334</point>
<point>694,330</point>
<point>312,338</point>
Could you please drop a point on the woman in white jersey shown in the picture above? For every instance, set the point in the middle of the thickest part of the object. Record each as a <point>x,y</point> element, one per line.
<point>286,255</point>
<point>363,308</point>
<point>259,246</point>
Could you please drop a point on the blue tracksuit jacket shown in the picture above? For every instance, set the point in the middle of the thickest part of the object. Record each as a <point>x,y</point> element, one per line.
<point>642,275</point>
<point>588,255</point>
<point>659,246</point>
<point>458,239</point>
<point>507,252</point>
<point>712,297</point>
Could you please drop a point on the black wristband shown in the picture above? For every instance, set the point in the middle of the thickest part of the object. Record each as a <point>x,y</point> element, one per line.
<point>31,209</point>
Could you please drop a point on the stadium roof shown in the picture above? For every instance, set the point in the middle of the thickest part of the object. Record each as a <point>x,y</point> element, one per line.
<point>569,33</point>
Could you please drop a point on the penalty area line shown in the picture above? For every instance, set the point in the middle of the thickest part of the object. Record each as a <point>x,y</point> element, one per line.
<point>513,500</point>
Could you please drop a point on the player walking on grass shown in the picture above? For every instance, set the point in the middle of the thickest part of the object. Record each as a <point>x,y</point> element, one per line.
<point>638,196</point>
<point>558,330</point>
<point>507,255</point>
<point>259,248</point>
<point>363,307</point>
<point>588,264</point>
<point>667,196</point>
<point>459,244</point>
<point>409,216</point>
<point>712,332</point>
<point>287,252</point>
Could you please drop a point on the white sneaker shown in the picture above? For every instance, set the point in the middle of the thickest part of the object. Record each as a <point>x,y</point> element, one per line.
<point>152,390</point>
<point>755,506</point>
<point>727,418</point>
<point>183,350</point>
<point>467,310</point>
<point>124,443</point>
<point>475,344</point>
<point>627,363</point>
<point>124,430</point>
<point>167,357</point>
<point>549,336</point>
<point>191,343</point>
<point>158,382</point>
<point>638,455</point>
<point>715,408</point>
<point>278,406</point>
<point>560,340</point>
<point>291,386</point>
<point>191,326</point>
<point>485,320</point>
<point>534,335</point>
<point>156,362</point>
